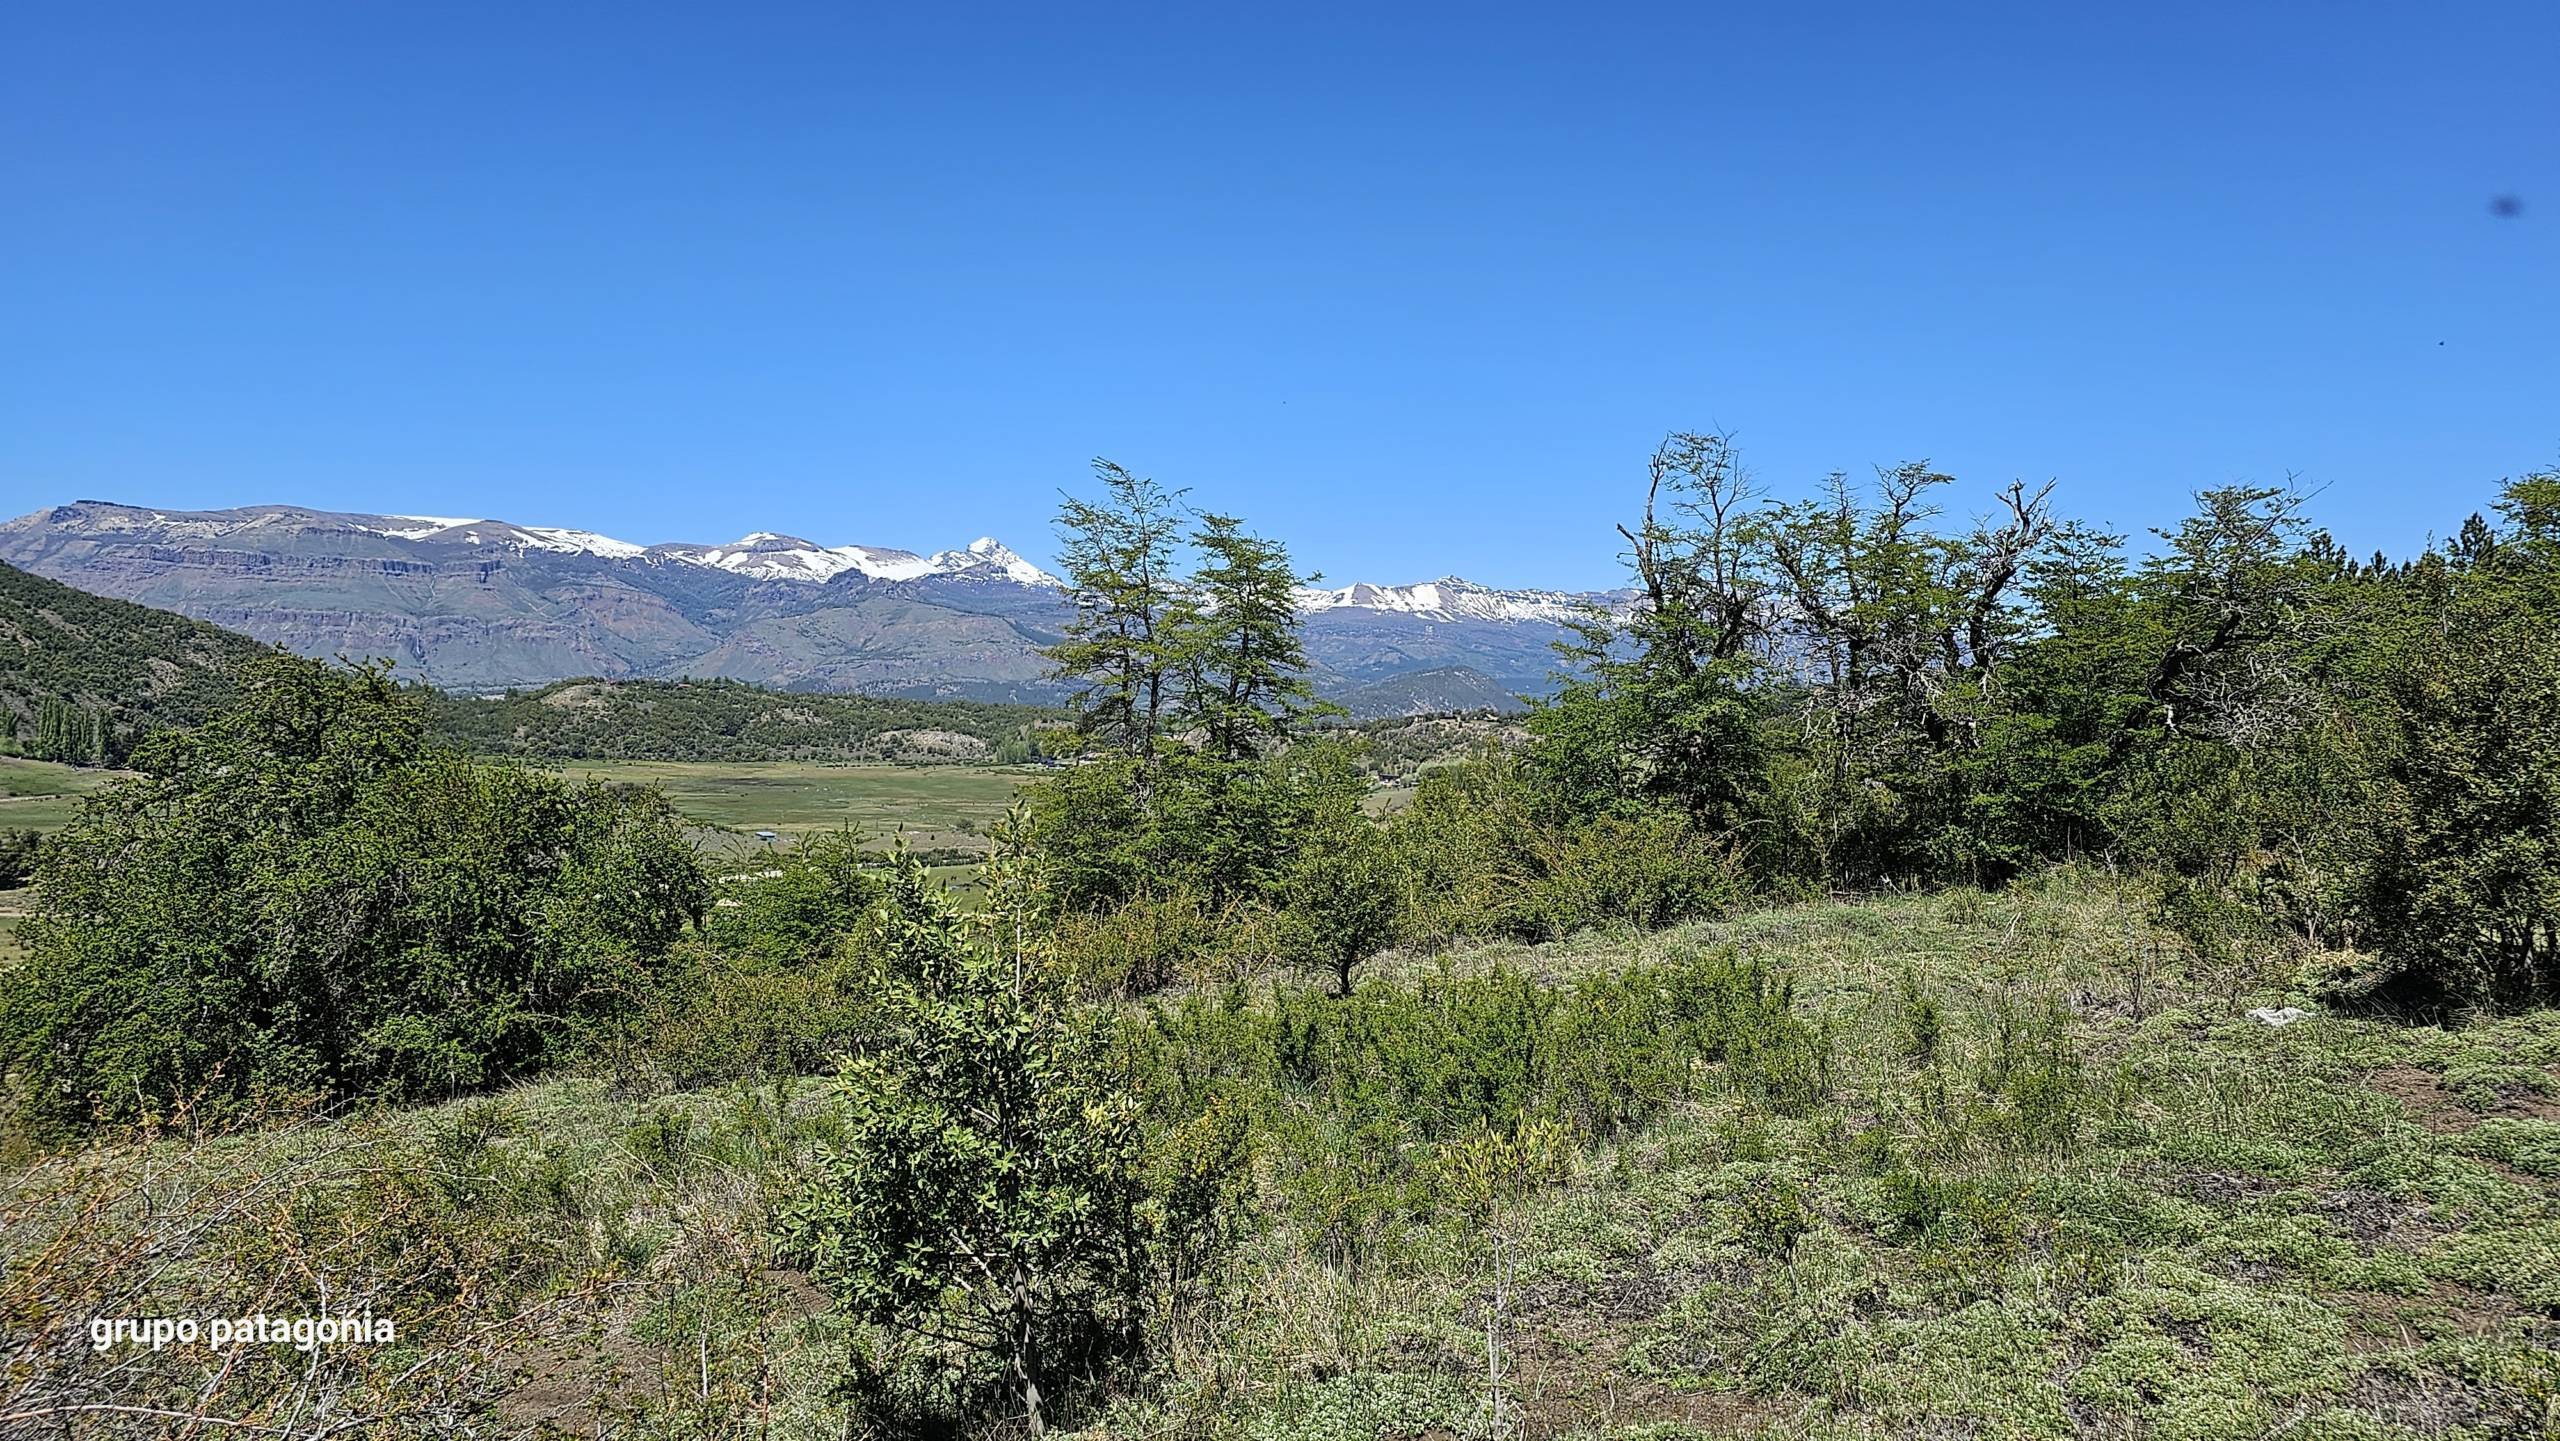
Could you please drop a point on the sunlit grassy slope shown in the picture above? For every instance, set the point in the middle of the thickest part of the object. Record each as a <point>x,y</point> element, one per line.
<point>2056,1187</point>
<point>41,795</point>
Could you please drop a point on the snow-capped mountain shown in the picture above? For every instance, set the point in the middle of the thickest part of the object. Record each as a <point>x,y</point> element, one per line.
<point>760,555</point>
<point>767,556</point>
<point>477,603</point>
<point>1450,598</point>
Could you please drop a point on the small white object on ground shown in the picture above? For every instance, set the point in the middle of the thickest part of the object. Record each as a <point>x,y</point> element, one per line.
<point>2277,1015</point>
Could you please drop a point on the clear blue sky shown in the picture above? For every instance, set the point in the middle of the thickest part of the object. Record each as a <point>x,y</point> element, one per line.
<point>1414,289</point>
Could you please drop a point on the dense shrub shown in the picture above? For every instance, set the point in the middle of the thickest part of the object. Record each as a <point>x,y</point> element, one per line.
<point>17,857</point>
<point>1142,945</point>
<point>1351,1095</point>
<point>797,905</point>
<point>1484,855</point>
<point>2457,861</point>
<point>714,1016</point>
<point>985,1200</point>
<point>304,896</point>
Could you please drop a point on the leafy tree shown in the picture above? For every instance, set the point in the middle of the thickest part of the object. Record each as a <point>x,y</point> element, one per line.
<point>17,857</point>
<point>818,892</point>
<point>987,1195</point>
<point>1344,896</point>
<point>2456,855</point>
<point>1659,708</point>
<point>1195,698</point>
<point>305,896</point>
<point>1898,633</point>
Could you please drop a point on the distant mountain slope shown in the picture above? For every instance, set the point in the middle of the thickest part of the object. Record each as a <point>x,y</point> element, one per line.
<point>487,605</point>
<point>83,677</point>
<point>1452,690</point>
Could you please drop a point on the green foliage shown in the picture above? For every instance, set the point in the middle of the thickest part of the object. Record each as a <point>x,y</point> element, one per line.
<point>1342,897</point>
<point>1124,642</point>
<point>2456,864</point>
<point>1242,670</point>
<point>303,896</point>
<point>1355,1096</point>
<point>800,904</point>
<point>1659,709</point>
<point>715,1016</point>
<point>1112,830</point>
<point>1150,942</point>
<point>987,1195</point>
<point>1485,852</point>
<point>1193,695</point>
<point>17,857</point>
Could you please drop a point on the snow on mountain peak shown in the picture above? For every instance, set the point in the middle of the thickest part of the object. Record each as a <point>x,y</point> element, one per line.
<point>987,552</point>
<point>1449,598</point>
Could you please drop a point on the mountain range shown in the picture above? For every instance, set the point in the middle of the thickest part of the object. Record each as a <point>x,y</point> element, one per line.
<point>483,605</point>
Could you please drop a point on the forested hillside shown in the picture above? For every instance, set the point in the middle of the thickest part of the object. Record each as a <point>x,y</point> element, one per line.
<point>82,678</point>
<point>734,721</point>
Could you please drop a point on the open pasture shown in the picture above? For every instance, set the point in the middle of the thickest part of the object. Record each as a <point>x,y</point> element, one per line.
<point>934,807</point>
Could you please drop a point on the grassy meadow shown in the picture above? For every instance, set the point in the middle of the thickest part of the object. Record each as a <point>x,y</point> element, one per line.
<point>2040,1179</point>
<point>927,804</point>
<point>41,795</point>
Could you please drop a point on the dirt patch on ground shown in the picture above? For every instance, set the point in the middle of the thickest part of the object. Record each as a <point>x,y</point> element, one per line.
<point>2223,1190</point>
<point>2439,1110</point>
<point>584,1384</point>
<point>2374,1220</point>
<point>2424,1098</point>
<point>1574,1382</point>
<point>575,1385</point>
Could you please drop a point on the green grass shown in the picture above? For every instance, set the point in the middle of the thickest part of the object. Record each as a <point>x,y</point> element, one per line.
<point>2055,1187</point>
<point>42,795</point>
<point>792,798</point>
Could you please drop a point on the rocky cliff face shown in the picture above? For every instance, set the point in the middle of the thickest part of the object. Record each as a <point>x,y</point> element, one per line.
<point>483,605</point>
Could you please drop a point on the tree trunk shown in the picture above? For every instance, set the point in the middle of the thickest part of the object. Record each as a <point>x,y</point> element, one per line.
<point>1024,1364</point>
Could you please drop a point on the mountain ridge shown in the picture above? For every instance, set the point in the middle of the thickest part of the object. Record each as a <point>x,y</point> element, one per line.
<point>479,603</point>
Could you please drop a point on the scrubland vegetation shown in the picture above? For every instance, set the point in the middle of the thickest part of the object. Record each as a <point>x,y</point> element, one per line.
<point>1826,1018</point>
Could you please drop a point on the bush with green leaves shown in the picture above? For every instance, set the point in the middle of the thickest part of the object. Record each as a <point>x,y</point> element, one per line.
<point>2456,863</point>
<point>798,903</point>
<point>1485,853</point>
<point>1342,900</point>
<point>987,1202</point>
<point>303,896</point>
<point>17,857</point>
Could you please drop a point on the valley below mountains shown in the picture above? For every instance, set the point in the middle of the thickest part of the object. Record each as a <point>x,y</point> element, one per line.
<point>484,605</point>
